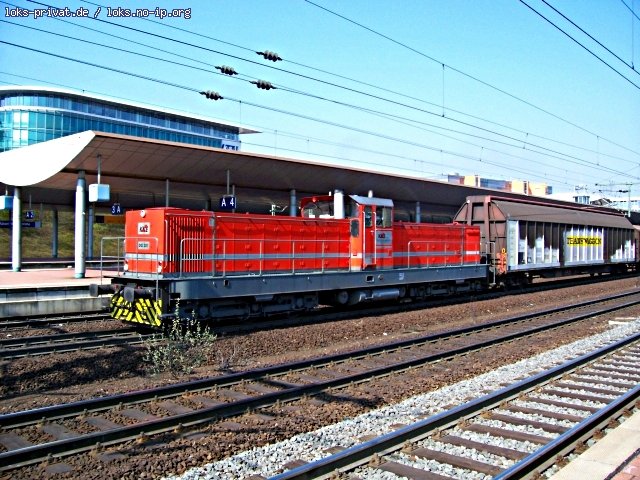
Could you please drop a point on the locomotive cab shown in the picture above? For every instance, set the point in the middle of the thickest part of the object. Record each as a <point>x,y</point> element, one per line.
<point>371,226</point>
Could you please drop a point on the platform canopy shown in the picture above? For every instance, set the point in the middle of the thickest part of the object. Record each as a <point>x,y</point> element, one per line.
<point>141,171</point>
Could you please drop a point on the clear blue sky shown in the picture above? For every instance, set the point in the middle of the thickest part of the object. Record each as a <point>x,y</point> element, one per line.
<point>516,98</point>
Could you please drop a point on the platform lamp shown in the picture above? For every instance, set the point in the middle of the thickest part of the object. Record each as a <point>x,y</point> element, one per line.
<point>6,201</point>
<point>99,192</point>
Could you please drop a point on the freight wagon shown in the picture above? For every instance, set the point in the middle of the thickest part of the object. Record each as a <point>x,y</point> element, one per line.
<point>527,238</point>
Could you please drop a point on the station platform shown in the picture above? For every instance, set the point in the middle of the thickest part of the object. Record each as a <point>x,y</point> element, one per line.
<point>46,277</point>
<point>614,457</point>
<point>48,291</point>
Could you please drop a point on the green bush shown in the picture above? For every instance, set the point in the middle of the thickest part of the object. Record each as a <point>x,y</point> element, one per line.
<point>185,345</point>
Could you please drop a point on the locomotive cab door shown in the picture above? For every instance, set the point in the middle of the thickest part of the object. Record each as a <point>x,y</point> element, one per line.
<point>371,233</point>
<point>369,237</point>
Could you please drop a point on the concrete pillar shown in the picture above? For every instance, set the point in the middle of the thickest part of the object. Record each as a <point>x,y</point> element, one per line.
<point>418,213</point>
<point>16,233</point>
<point>293,203</point>
<point>54,233</point>
<point>80,240</point>
<point>92,219</point>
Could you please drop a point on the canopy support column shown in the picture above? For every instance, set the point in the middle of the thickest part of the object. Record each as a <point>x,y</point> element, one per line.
<point>16,233</point>
<point>80,241</point>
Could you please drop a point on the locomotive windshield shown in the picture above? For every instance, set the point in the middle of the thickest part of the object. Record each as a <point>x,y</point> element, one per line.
<point>318,209</point>
<point>321,208</point>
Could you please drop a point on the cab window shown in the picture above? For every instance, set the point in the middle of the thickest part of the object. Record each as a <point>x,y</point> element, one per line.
<point>383,217</point>
<point>368,214</point>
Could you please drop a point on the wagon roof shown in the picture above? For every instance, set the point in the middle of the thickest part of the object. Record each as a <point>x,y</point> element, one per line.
<point>542,212</point>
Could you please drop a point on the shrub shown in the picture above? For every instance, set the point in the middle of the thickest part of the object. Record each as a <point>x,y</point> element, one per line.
<point>185,345</point>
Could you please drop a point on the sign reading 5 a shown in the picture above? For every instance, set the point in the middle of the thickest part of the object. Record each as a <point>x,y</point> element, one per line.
<point>228,202</point>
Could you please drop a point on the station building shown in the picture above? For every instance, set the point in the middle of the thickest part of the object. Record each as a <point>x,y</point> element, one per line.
<point>30,115</point>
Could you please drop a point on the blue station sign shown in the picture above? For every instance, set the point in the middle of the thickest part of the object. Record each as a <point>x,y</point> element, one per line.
<point>228,202</point>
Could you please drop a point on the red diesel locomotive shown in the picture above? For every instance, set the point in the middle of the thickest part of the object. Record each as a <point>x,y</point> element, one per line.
<point>341,250</point>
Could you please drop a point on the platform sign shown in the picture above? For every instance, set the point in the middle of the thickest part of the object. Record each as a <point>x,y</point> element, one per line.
<point>29,215</point>
<point>24,223</point>
<point>228,202</point>
<point>116,209</point>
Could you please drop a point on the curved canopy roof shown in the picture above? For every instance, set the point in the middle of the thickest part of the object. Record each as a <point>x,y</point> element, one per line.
<point>140,172</point>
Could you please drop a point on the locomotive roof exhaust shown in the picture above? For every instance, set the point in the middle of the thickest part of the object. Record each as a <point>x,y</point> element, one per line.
<point>338,204</point>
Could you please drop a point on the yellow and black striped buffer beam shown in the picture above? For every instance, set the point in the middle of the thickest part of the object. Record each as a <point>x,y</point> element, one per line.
<point>141,310</point>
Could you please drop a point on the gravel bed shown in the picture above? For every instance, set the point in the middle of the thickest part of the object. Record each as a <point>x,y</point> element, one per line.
<point>523,446</point>
<point>536,417</point>
<point>267,460</point>
<point>577,384</point>
<point>437,467</point>
<point>542,406</point>
<point>471,453</point>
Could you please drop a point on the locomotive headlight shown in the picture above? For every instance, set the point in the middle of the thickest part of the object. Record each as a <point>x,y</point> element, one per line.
<point>159,267</point>
<point>126,266</point>
<point>143,213</point>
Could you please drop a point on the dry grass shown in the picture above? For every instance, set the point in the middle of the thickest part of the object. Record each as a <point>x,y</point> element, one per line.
<point>37,242</point>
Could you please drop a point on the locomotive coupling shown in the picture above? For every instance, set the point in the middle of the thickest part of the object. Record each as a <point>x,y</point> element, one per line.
<point>132,293</point>
<point>96,290</point>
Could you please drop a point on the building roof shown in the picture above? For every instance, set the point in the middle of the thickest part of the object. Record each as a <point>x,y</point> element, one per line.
<point>119,102</point>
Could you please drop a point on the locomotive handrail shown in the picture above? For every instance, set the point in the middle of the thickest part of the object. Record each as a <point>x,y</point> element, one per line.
<point>122,258</point>
<point>118,257</point>
<point>155,276</point>
<point>203,256</point>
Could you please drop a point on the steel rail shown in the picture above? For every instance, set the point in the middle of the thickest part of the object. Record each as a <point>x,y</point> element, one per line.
<point>33,454</point>
<point>129,338</point>
<point>49,339</point>
<point>65,410</point>
<point>361,454</point>
<point>42,321</point>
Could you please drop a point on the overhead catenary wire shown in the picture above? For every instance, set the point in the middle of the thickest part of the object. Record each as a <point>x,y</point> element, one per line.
<point>589,35</point>
<point>458,139</point>
<point>580,44</point>
<point>472,77</point>
<point>541,151</point>
<point>361,82</point>
<point>347,88</point>
<point>306,117</point>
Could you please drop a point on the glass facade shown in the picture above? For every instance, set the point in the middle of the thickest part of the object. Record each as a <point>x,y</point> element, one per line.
<point>32,116</point>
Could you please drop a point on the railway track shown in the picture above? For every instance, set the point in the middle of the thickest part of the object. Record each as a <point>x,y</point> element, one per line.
<point>327,314</point>
<point>76,427</point>
<point>564,407</point>
<point>69,342</point>
<point>43,321</point>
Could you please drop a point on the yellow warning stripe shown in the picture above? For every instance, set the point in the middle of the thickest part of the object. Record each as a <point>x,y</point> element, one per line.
<point>142,310</point>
